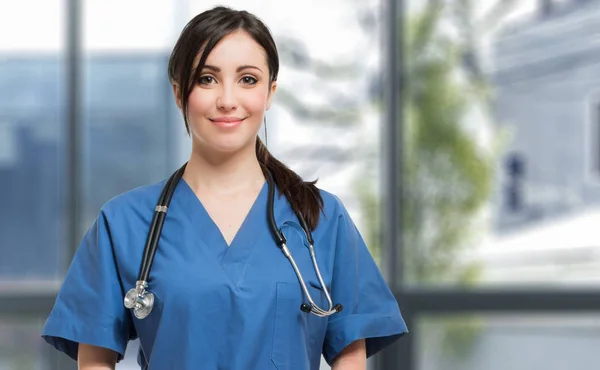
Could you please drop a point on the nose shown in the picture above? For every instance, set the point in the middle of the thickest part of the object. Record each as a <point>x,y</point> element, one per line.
<point>226,99</point>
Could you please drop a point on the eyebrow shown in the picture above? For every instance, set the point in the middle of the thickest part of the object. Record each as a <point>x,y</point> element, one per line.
<point>239,69</point>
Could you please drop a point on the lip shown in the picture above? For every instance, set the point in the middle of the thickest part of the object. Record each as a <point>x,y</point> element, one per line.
<point>227,122</point>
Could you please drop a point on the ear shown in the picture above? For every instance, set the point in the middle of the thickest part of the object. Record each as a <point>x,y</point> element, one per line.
<point>177,93</point>
<point>272,90</point>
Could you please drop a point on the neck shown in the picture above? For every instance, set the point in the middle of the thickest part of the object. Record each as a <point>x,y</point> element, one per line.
<point>223,173</point>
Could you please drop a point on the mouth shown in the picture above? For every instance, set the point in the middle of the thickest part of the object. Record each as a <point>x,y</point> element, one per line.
<point>227,122</point>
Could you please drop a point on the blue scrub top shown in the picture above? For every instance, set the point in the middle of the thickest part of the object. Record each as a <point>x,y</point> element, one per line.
<point>219,306</point>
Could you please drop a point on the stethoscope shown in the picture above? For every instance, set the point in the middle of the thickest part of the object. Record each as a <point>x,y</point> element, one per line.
<point>141,300</point>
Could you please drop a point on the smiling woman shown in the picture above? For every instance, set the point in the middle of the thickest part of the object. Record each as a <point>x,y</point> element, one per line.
<point>223,295</point>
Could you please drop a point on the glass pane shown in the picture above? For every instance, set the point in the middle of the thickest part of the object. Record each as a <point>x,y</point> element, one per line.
<point>126,119</point>
<point>128,104</point>
<point>501,144</point>
<point>32,142</point>
<point>516,342</point>
<point>21,347</point>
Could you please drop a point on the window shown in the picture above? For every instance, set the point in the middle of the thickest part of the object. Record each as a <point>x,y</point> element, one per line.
<point>516,342</point>
<point>32,166</point>
<point>34,219</point>
<point>476,290</point>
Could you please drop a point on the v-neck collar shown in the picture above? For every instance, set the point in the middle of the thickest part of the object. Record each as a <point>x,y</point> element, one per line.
<point>232,258</point>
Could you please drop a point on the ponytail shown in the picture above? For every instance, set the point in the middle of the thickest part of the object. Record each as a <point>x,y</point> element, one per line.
<point>304,197</point>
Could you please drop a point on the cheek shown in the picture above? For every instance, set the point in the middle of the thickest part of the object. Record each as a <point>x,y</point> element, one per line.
<point>254,102</point>
<point>199,103</point>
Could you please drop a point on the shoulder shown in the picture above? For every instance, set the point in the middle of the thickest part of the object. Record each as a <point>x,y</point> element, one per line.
<point>334,209</point>
<point>336,226</point>
<point>332,204</point>
<point>133,201</point>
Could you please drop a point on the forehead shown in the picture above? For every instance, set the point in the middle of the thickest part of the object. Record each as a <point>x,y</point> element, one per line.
<point>237,48</point>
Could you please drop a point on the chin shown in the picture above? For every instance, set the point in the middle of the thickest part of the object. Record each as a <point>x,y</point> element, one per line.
<point>229,143</point>
<point>230,146</point>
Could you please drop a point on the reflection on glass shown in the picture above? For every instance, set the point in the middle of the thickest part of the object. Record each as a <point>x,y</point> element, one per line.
<point>521,342</point>
<point>501,150</point>
<point>126,115</point>
<point>31,166</point>
<point>128,108</point>
<point>31,142</point>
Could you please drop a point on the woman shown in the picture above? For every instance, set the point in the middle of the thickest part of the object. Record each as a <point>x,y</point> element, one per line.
<point>225,296</point>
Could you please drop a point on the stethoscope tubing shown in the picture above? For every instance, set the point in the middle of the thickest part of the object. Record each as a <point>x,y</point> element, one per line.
<point>141,301</point>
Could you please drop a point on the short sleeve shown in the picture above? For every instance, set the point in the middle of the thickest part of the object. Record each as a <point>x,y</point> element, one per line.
<point>89,307</point>
<point>370,310</point>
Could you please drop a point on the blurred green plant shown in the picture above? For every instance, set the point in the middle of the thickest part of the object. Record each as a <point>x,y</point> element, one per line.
<point>449,339</point>
<point>447,175</point>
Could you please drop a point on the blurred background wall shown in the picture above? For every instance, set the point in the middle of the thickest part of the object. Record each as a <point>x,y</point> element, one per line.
<point>463,136</point>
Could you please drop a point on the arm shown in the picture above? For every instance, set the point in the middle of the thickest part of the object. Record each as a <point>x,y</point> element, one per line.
<point>371,313</point>
<point>89,306</point>
<point>96,358</point>
<point>353,357</point>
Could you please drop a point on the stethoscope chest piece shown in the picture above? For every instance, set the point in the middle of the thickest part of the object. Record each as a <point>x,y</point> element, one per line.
<point>140,300</point>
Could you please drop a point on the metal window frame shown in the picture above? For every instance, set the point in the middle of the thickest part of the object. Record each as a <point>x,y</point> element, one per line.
<point>417,301</point>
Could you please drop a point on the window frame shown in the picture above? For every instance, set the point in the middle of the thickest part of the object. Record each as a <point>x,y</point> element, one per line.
<point>592,138</point>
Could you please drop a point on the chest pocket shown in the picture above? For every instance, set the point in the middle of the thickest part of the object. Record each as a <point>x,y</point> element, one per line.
<point>297,336</point>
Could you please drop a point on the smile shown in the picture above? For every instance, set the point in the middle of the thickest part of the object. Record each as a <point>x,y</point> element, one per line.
<point>227,122</point>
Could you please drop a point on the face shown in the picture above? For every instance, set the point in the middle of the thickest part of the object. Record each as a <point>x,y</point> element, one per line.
<point>227,105</point>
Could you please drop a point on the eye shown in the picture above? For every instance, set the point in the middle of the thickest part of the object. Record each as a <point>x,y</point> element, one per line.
<point>249,80</point>
<point>206,80</point>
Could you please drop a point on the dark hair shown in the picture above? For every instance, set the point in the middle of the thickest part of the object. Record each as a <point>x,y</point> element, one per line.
<point>204,31</point>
